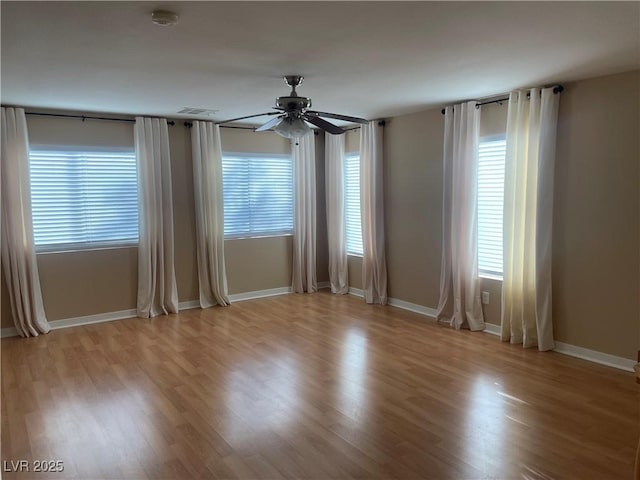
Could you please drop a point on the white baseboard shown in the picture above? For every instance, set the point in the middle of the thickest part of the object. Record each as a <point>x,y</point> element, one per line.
<point>322,285</point>
<point>492,329</point>
<point>413,307</point>
<point>239,297</point>
<point>8,332</point>
<point>580,352</point>
<point>124,314</point>
<point>89,319</point>
<point>188,305</point>
<point>76,321</point>
<point>356,292</point>
<point>394,302</point>
<point>595,356</point>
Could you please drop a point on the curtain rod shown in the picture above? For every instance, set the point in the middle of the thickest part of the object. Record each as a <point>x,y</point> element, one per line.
<point>88,117</point>
<point>237,127</point>
<point>556,89</point>
<point>381,123</point>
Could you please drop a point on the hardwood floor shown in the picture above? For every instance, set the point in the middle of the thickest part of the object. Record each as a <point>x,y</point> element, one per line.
<point>308,386</point>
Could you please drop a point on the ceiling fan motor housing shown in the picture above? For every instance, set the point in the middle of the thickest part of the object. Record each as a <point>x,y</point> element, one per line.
<point>293,104</point>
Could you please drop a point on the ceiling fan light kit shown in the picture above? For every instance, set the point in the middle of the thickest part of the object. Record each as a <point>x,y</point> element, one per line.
<point>294,115</point>
<point>292,128</point>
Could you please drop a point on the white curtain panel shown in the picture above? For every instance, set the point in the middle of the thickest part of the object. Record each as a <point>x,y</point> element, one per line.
<point>18,250</point>
<point>157,291</point>
<point>528,216</point>
<point>374,264</point>
<point>459,303</point>
<point>304,239</point>
<point>209,202</point>
<point>336,226</point>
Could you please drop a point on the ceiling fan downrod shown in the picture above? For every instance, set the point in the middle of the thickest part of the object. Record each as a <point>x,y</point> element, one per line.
<point>293,81</point>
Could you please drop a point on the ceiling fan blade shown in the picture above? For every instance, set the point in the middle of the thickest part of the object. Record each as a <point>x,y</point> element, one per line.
<point>270,124</point>
<point>337,116</point>
<point>324,125</point>
<point>248,116</point>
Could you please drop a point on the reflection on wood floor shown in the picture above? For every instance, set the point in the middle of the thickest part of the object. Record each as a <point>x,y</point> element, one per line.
<point>308,386</point>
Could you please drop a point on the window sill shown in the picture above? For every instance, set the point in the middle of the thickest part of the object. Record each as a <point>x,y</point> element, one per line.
<point>77,248</point>
<point>357,255</point>
<point>249,237</point>
<point>490,276</point>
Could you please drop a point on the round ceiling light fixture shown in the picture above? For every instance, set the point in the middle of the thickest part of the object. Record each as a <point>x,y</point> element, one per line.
<point>164,18</point>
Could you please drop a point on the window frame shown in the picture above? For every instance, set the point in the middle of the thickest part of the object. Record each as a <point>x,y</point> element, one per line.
<point>256,234</point>
<point>492,275</point>
<point>350,156</point>
<point>47,248</point>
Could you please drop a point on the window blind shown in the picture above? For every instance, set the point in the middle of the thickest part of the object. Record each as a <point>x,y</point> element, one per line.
<point>83,199</point>
<point>352,204</point>
<point>491,164</point>
<point>258,195</point>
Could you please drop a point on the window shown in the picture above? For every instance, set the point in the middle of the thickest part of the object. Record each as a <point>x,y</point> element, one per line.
<point>491,157</point>
<point>352,203</point>
<point>258,195</point>
<point>83,199</point>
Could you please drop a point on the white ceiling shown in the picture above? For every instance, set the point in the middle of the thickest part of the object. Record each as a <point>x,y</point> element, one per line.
<point>368,59</point>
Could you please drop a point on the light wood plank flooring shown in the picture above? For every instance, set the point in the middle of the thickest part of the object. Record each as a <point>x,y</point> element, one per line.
<point>309,386</point>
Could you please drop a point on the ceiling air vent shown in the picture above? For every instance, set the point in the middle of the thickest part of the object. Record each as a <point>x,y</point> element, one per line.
<point>197,111</point>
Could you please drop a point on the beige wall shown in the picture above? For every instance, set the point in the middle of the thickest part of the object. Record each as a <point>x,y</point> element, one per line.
<point>258,263</point>
<point>322,243</point>
<point>85,283</point>
<point>596,264</point>
<point>100,281</point>
<point>352,141</point>
<point>413,203</point>
<point>493,119</point>
<point>65,132</point>
<point>247,141</point>
<point>493,310</point>
<point>354,271</point>
<point>184,223</point>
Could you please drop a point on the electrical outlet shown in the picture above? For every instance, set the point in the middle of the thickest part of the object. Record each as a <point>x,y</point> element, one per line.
<point>486,297</point>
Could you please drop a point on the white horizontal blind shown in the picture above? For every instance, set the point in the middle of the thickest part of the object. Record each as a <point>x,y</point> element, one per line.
<point>258,195</point>
<point>491,158</point>
<point>83,199</point>
<point>352,203</point>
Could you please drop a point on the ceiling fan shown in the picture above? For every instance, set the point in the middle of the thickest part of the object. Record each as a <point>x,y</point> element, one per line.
<point>293,114</point>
